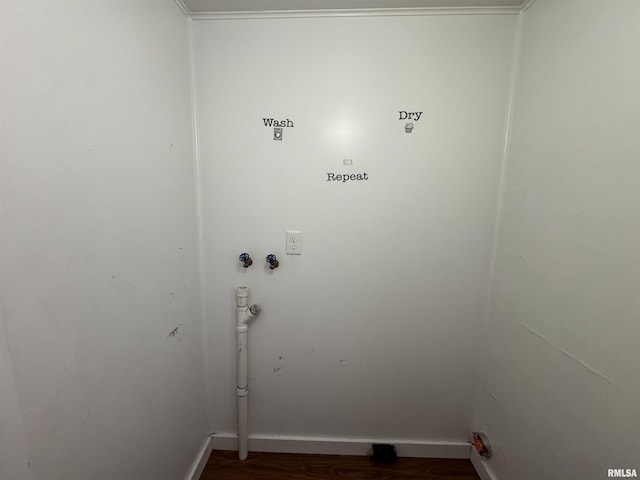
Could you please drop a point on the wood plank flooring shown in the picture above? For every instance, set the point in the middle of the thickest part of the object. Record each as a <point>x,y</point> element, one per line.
<point>223,465</point>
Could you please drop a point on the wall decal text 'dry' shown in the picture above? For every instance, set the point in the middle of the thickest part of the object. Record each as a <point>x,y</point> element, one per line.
<point>404,115</point>
<point>278,126</point>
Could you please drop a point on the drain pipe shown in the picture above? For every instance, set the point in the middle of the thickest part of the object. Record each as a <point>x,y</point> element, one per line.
<point>244,313</point>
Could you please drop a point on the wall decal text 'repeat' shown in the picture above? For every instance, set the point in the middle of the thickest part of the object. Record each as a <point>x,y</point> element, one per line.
<point>347,177</point>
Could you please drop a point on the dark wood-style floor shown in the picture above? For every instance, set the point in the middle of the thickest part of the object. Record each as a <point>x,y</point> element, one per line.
<point>224,465</point>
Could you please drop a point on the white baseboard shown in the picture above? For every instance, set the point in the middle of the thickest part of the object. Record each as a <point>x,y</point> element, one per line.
<point>342,446</point>
<point>201,459</point>
<point>480,466</point>
<point>496,468</point>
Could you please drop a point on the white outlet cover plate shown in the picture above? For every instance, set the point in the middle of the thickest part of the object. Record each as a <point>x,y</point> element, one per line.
<point>294,242</point>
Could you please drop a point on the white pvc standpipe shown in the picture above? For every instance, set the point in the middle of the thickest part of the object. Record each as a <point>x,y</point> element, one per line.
<point>242,389</point>
<point>243,315</point>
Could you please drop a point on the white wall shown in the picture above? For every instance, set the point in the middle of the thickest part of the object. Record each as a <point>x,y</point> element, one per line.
<point>373,331</point>
<point>99,243</point>
<point>14,452</point>
<point>561,390</point>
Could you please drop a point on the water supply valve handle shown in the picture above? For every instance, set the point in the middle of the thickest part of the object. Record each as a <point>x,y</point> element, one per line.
<point>246,258</point>
<point>272,261</point>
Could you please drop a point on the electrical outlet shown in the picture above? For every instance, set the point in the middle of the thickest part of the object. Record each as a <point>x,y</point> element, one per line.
<point>294,242</point>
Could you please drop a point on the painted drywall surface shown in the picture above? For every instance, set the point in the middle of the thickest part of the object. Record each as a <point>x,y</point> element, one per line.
<point>99,259</point>
<point>14,452</point>
<point>561,393</point>
<point>372,331</point>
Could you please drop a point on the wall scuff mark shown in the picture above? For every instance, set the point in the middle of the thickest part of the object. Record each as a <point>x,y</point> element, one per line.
<point>173,333</point>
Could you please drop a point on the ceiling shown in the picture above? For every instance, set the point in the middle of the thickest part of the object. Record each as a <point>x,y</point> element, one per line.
<point>199,7</point>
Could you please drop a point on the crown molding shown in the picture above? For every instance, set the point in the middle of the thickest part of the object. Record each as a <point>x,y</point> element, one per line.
<point>360,12</point>
<point>183,8</point>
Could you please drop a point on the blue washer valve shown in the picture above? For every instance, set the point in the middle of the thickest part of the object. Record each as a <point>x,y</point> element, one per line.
<point>272,261</point>
<point>246,258</point>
